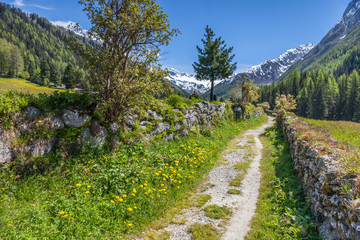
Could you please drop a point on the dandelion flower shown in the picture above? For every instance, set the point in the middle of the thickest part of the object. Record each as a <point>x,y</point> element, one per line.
<point>134,190</point>
<point>121,200</point>
<point>39,121</point>
<point>61,213</point>
<point>78,185</point>
<point>65,216</point>
<point>124,196</point>
<point>129,224</point>
<point>112,201</point>
<point>130,209</point>
<point>88,186</point>
<point>87,192</point>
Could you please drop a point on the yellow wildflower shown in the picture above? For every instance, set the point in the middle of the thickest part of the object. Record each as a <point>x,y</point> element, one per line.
<point>65,216</point>
<point>130,209</point>
<point>61,213</point>
<point>112,201</point>
<point>134,190</point>
<point>121,200</point>
<point>129,224</point>
<point>124,196</point>
<point>88,186</point>
<point>78,185</point>
<point>87,192</point>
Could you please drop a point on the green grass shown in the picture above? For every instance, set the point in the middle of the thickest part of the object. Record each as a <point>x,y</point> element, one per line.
<point>282,212</point>
<point>102,195</point>
<point>234,191</point>
<point>217,212</point>
<point>342,131</point>
<point>21,85</point>
<point>204,232</point>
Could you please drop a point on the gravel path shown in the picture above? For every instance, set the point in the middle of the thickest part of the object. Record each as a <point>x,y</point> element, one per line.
<point>243,206</point>
<point>240,221</point>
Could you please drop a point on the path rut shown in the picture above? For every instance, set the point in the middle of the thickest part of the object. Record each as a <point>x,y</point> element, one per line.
<point>243,206</point>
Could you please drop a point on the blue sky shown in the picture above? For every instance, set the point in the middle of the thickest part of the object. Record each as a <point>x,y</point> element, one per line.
<point>257,29</point>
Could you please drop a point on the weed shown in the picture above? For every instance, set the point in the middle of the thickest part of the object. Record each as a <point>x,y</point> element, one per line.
<point>217,212</point>
<point>204,232</point>
<point>234,191</point>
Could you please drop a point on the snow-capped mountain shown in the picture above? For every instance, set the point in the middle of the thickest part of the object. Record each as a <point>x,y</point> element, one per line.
<point>271,70</point>
<point>188,83</point>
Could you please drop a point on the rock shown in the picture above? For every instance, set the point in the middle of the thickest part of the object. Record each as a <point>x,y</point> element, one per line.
<point>155,115</point>
<point>32,112</point>
<point>95,128</point>
<point>143,125</point>
<point>42,147</point>
<point>94,141</point>
<point>129,121</point>
<point>6,154</point>
<point>184,132</point>
<point>114,128</point>
<point>23,128</point>
<point>168,137</point>
<point>74,120</point>
<point>160,128</point>
<point>200,107</point>
<point>56,123</point>
<point>177,126</point>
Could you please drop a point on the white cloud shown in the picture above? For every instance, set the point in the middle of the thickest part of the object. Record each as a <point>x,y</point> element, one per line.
<point>19,3</point>
<point>42,7</point>
<point>64,24</point>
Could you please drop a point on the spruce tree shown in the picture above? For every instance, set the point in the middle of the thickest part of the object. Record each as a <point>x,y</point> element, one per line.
<point>214,60</point>
<point>69,77</point>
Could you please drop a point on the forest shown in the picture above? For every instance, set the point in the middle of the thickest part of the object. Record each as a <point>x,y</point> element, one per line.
<point>321,94</point>
<point>34,49</point>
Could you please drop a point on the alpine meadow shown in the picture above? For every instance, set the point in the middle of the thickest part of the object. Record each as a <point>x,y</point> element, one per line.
<point>180,120</point>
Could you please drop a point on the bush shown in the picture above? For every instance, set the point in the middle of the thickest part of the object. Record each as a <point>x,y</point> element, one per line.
<point>64,100</point>
<point>175,101</point>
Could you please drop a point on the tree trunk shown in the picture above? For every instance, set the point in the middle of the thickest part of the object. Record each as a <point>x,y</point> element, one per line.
<point>212,91</point>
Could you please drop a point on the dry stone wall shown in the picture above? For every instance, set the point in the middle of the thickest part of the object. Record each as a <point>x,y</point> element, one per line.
<point>41,130</point>
<point>333,196</point>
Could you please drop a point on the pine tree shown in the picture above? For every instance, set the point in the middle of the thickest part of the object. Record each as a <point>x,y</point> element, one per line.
<point>69,77</point>
<point>214,60</point>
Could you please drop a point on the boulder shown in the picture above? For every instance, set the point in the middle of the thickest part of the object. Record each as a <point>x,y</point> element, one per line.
<point>160,128</point>
<point>6,154</point>
<point>129,121</point>
<point>32,112</point>
<point>56,123</point>
<point>74,119</point>
<point>87,138</point>
<point>155,115</point>
<point>114,128</point>
<point>42,147</point>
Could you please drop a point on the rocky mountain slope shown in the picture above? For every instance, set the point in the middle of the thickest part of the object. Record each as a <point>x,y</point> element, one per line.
<point>264,73</point>
<point>332,49</point>
<point>271,70</point>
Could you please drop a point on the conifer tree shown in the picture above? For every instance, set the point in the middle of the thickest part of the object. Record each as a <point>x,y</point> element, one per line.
<point>214,60</point>
<point>69,77</point>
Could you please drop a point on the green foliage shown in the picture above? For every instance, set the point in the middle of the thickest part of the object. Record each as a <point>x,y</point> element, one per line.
<point>65,100</point>
<point>204,231</point>
<point>217,212</point>
<point>120,192</point>
<point>214,60</point>
<point>319,94</point>
<point>282,211</point>
<point>175,101</point>
<point>124,75</point>
<point>234,191</point>
<point>11,102</point>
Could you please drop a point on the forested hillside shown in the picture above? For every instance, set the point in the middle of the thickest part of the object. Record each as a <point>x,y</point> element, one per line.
<point>34,49</point>
<point>320,94</point>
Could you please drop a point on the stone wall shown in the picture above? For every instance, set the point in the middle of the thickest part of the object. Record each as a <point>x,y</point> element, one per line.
<point>37,133</point>
<point>332,195</point>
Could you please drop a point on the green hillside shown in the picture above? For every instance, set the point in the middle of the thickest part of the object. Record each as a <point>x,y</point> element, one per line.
<point>21,85</point>
<point>328,56</point>
<point>43,51</point>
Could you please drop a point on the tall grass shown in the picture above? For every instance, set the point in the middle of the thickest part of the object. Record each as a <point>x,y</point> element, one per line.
<point>21,85</point>
<point>103,195</point>
<point>282,212</point>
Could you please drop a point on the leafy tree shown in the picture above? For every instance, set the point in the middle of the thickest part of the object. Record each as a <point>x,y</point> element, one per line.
<point>214,60</point>
<point>123,68</point>
<point>284,103</point>
<point>245,93</point>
